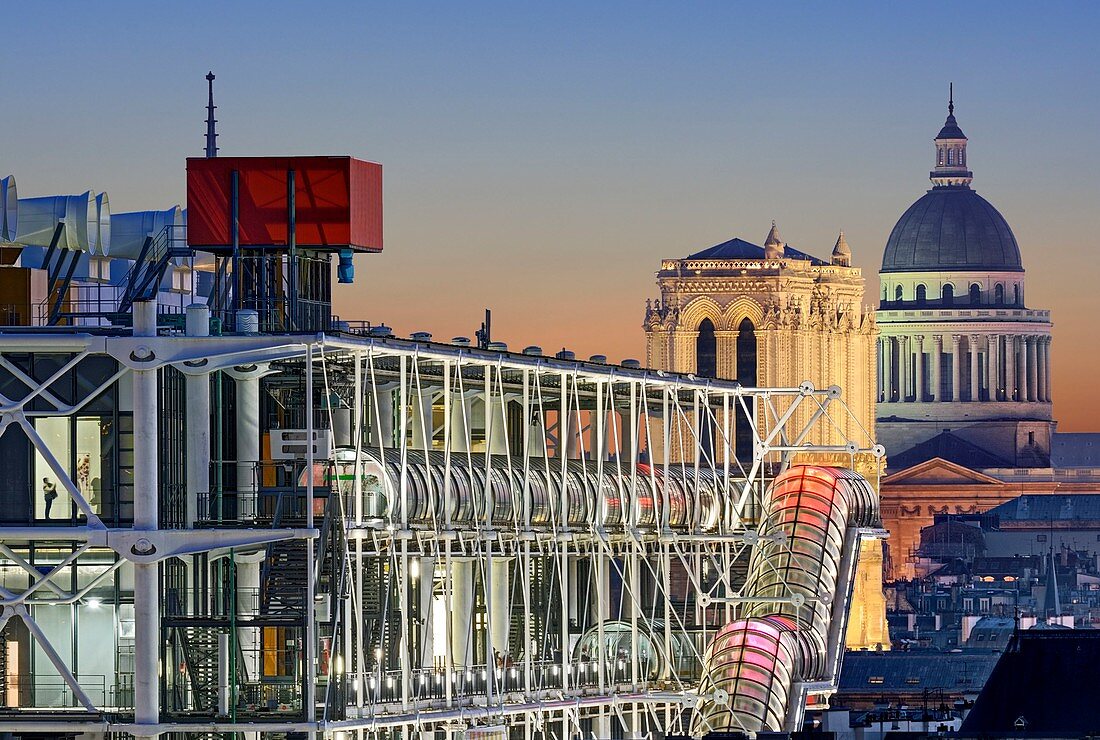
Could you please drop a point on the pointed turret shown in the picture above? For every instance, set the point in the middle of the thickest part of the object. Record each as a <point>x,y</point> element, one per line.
<point>951,151</point>
<point>842,253</point>
<point>211,132</point>
<point>773,245</point>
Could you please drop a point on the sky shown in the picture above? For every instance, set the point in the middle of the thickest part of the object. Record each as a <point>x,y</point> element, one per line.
<point>541,158</point>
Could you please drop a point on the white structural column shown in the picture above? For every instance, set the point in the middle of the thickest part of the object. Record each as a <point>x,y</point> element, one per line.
<point>975,380</point>
<point>248,439</point>
<point>462,610</point>
<point>422,423</point>
<point>956,368</point>
<point>500,602</point>
<point>146,518</point>
<point>197,452</point>
<point>991,366</point>
<point>1032,369</point>
<point>936,381</point>
<point>919,369</point>
<point>1010,368</point>
<point>248,602</point>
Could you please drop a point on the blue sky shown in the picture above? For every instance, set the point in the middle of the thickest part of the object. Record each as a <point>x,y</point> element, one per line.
<point>540,158</point>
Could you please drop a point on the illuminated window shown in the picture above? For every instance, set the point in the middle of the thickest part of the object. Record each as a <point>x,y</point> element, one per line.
<point>876,680</point>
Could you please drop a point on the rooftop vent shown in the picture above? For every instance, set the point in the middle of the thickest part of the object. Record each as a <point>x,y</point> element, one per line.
<point>600,359</point>
<point>532,349</point>
<point>632,363</point>
<point>566,354</point>
<point>461,341</point>
<point>498,346</point>
<point>421,336</point>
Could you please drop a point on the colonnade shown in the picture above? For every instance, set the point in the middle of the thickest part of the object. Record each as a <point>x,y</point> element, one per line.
<point>964,367</point>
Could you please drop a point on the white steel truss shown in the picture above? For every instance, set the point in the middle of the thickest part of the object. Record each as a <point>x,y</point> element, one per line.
<point>573,534</point>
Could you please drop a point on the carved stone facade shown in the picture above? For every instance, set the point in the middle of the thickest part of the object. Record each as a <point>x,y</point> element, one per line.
<point>773,316</point>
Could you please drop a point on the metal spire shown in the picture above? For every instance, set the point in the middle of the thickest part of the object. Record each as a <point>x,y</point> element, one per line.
<point>211,132</point>
<point>951,98</point>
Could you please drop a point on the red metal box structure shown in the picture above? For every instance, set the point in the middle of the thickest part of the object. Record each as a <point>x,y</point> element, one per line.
<point>338,202</point>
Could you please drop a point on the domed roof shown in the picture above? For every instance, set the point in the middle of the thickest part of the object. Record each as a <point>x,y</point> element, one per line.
<point>951,229</point>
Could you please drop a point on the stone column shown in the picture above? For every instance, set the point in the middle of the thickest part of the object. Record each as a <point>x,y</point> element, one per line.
<point>956,374</point>
<point>888,369</point>
<point>975,385</point>
<point>1025,371</point>
<point>991,366</point>
<point>725,350</point>
<point>1033,368</point>
<point>1046,368</point>
<point>919,370</point>
<point>1010,368</point>
<point>937,357</point>
<point>903,368</point>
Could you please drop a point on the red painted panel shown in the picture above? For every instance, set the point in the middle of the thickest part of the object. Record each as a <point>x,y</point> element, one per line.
<point>338,202</point>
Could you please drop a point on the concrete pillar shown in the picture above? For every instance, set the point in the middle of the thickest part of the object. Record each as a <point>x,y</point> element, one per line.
<point>146,518</point>
<point>462,611</point>
<point>991,366</point>
<point>956,369</point>
<point>975,380</point>
<point>937,360</point>
<point>247,419</point>
<point>920,367</point>
<point>1010,368</point>
<point>1032,369</point>
<point>197,423</point>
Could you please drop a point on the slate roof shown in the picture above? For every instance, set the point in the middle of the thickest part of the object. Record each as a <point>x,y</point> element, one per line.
<point>962,672</point>
<point>951,229</point>
<point>1049,508</point>
<point>950,447</point>
<point>1075,450</point>
<point>739,249</point>
<point>1046,677</point>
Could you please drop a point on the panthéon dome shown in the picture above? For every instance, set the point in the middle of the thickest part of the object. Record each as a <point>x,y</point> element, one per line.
<point>951,227</point>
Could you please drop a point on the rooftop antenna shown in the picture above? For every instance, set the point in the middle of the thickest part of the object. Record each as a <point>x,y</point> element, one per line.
<point>211,132</point>
<point>485,333</point>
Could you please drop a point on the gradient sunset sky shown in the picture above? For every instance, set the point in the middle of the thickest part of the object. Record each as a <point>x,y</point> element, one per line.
<point>540,159</point>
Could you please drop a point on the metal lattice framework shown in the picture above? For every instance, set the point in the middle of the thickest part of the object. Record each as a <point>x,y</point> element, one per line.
<point>494,541</point>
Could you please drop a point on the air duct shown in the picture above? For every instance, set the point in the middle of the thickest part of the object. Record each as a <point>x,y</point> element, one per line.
<point>102,241</point>
<point>9,209</point>
<point>76,217</point>
<point>759,668</point>
<point>130,230</point>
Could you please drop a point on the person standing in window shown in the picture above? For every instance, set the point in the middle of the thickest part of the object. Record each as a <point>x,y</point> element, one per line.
<point>49,491</point>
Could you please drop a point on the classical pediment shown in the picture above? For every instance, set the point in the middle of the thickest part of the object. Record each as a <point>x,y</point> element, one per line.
<point>938,471</point>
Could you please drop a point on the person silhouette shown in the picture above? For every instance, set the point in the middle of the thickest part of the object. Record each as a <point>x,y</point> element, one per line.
<point>49,491</point>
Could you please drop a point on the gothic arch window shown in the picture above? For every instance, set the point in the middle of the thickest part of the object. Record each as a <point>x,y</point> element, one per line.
<point>948,294</point>
<point>746,376</point>
<point>999,294</point>
<point>922,295</point>
<point>1015,294</point>
<point>897,294</point>
<point>706,351</point>
<point>975,295</point>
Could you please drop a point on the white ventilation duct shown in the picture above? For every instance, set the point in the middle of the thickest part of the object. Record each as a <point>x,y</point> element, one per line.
<point>78,215</point>
<point>9,209</point>
<point>130,230</point>
<point>102,239</point>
